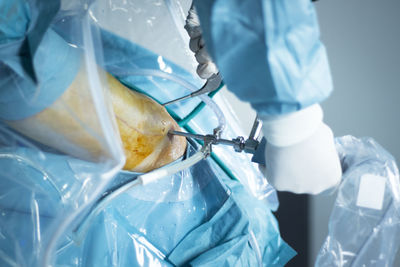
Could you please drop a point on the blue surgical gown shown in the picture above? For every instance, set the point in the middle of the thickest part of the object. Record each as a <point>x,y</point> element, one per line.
<point>268,52</point>
<point>198,217</point>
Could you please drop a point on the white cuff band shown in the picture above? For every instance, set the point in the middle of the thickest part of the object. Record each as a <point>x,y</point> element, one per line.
<point>292,128</point>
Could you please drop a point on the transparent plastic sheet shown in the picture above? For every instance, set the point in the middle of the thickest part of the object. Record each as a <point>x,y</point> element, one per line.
<point>364,227</point>
<point>67,108</point>
<point>59,107</point>
<point>53,182</point>
<point>248,174</point>
<point>190,218</point>
<point>144,61</point>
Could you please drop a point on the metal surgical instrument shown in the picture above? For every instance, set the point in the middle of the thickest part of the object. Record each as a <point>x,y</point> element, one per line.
<point>211,84</point>
<point>239,143</point>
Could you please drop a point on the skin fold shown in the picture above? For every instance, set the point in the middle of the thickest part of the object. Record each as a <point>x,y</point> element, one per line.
<point>72,125</point>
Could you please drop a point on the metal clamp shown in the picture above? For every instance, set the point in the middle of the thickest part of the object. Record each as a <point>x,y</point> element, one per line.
<point>239,143</point>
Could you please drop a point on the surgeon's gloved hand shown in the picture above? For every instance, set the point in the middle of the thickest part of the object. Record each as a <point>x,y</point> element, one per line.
<point>206,67</point>
<point>300,152</point>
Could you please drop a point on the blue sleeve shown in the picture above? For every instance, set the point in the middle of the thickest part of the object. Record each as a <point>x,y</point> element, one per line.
<point>36,64</point>
<point>268,52</point>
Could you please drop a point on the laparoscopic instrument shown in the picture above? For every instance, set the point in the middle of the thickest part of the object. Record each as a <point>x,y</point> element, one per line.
<point>212,84</point>
<point>252,145</point>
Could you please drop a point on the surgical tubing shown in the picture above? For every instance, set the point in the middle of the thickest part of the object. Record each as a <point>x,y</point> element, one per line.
<point>105,123</point>
<point>142,179</point>
<point>172,77</point>
<point>145,179</point>
<point>217,160</point>
<point>99,207</point>
<point>171,169</point>
<point>197,109</point>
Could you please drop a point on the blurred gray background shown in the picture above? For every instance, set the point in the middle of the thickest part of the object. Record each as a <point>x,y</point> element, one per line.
<point>362,38</point>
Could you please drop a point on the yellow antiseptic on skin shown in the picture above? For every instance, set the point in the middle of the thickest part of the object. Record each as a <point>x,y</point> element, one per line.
<point>143,126</point>
<point>72,125</point>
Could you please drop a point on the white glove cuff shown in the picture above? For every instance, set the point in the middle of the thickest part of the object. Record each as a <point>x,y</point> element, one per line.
<point>292,128</point>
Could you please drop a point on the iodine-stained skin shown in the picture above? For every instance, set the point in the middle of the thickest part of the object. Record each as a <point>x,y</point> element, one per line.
<point>72,125</point>
<point>143,126</point>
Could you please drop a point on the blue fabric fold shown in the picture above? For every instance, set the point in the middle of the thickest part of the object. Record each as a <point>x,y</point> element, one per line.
<point>36,64</point>
<point>190,218</point>
<point>268,52</point>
